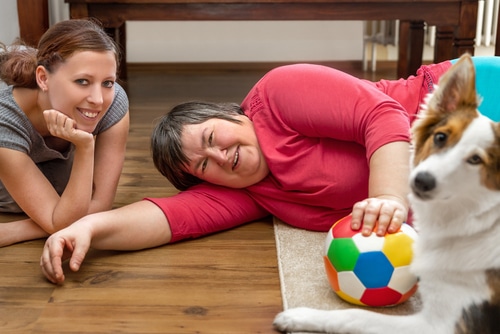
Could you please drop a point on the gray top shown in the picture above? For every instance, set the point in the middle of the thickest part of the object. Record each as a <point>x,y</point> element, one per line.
<point>17,133</point>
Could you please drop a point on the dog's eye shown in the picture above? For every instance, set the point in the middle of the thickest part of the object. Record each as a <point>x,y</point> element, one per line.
<point>440,139</point>
<point>475,160</point>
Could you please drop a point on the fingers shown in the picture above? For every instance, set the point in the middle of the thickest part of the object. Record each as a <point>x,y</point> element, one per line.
<point>55,251</point>
<point>51,259</point>
<point>57,121</point>
<point>64,127</point>
<point>384,215</point>
<point>58,124</point>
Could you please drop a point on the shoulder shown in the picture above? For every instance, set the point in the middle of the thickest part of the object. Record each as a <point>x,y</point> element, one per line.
<point>291,71</point>
<point>121,98</point>
<point>304,78</point>
<point>16,131</point>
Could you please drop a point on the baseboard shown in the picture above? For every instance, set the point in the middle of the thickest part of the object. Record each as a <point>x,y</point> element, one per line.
<point>348,65</point>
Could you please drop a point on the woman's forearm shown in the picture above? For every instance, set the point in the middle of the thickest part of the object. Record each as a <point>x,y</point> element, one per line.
<point>389,171</point>
<point>20,230</point>
<point>74,202</point>
<point>387,205</point>
<point>135,226</point>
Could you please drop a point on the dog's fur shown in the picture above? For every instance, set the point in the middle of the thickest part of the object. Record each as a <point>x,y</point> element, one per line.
<point>455,197</point>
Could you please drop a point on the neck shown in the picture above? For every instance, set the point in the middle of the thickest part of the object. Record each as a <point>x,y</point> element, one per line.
<point>32,102</point>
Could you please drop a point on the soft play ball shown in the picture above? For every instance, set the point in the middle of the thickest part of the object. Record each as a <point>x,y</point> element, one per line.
<point>372,270</point>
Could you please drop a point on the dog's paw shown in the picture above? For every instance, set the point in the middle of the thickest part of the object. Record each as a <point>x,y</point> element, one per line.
<point>296,319</point>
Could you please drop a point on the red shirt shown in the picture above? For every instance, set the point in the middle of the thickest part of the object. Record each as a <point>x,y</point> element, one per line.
<point>317,128</point>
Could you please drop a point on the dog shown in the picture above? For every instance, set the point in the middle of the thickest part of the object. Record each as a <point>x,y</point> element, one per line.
<point>455,199</point>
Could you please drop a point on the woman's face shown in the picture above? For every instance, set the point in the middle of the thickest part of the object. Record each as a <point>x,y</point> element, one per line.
<point>224,152</point>
<point>82,87</point>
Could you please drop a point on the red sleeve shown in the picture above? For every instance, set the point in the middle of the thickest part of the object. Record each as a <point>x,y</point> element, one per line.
<point>207,208</point>
<point>319,101</point>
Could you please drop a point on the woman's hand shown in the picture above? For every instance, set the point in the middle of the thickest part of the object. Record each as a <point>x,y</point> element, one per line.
<point>61,126</point>
<point>115,229</point>
<point>72,242</point>
<point>388,213</point>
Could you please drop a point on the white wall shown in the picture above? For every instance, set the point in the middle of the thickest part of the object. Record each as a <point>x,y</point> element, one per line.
<point>9,24</point>
<point>244,41</point>
<point>222,41</point>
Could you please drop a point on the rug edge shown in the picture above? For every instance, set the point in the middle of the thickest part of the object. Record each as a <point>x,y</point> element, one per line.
<point>276,224</point>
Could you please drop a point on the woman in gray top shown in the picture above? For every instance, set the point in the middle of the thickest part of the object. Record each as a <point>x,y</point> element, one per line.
<point>63,129</point>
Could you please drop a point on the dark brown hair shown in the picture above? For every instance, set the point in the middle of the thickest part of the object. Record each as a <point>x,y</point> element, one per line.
<point>18,62</point>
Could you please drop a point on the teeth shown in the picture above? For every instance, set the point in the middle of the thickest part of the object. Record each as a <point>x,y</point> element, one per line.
<point>90,114</point>
<point>236,157</point>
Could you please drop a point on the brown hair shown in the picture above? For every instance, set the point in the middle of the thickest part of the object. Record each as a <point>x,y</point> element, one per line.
<point>18,62</point>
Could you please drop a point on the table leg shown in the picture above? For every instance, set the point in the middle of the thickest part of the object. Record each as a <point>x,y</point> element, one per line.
<point>119,34</point>
<point>33,16</point>
<point>411,47</point>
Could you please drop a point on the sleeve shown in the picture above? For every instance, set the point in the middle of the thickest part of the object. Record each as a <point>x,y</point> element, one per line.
<point>117,110</point>
<point>205,208</point>
<point>15,128</point>
<point>319,101</point>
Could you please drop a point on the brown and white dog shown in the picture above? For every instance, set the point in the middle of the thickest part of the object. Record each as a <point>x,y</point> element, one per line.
<point>455,197</point>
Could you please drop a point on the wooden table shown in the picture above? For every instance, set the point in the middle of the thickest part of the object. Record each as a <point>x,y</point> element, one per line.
<point>455,20</point>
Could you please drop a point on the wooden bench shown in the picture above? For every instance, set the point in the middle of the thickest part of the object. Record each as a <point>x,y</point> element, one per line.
<point>455,20</point>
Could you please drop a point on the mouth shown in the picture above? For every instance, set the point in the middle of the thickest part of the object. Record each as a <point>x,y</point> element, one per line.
<point>90,114</point>
<point>236,157</point>
<point>422,195</point>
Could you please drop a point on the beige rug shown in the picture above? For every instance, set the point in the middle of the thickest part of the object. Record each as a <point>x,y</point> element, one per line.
<point>302,274</point>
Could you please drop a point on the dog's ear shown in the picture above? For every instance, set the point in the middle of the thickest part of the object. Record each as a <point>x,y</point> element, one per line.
<point>456,88</point>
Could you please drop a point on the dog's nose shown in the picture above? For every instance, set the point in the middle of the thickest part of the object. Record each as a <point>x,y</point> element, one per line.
<point>424,182</point>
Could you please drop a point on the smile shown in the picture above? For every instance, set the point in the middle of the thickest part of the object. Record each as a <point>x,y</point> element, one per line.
<point>89,114</point>
<point>236,158</point>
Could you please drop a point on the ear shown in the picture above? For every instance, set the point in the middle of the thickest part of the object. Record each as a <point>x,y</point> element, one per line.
<point>42,77</point>
<point>456,88</point>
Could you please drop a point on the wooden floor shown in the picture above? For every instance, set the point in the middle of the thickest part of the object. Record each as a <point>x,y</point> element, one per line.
<point>224,283</point>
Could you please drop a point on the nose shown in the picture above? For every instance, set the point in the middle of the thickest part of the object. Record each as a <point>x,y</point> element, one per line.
<point>424,182</point>
<point>218,155</point>
<point>95,95</point>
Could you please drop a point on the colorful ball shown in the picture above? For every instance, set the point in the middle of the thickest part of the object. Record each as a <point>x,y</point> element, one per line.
<point>372,270</point>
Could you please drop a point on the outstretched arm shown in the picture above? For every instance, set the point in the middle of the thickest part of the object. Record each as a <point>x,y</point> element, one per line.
<point>136,226</point>
<point>388,190</point>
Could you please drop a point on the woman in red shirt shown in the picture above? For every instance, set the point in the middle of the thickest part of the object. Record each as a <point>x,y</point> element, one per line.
<point>309,144</point>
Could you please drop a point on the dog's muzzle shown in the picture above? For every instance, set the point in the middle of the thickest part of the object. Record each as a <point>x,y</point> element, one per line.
<point>423,184</point>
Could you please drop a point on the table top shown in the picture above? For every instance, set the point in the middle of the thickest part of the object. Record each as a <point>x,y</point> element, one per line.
<point>143,2</point>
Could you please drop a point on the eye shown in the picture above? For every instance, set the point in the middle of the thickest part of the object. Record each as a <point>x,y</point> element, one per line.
<point>82,82</point>
<point>440,139</point>
<point>210,139</point>
<point>475,160</point>
<point>204,165</point>
<point>108,84</point>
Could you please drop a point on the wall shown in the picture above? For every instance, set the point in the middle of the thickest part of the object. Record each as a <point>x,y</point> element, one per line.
<point>244,41</point>
<point>9,25</point>
<point>226,41</point>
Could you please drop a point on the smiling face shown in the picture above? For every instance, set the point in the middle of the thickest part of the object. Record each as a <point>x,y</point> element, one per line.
<point>224,152</point>
<point>82,87</point>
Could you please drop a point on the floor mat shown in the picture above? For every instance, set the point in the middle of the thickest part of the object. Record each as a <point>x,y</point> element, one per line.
<point>302,274</point>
